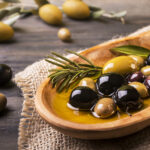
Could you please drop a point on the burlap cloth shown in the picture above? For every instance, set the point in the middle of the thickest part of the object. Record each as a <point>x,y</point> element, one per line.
<point>36,134</point>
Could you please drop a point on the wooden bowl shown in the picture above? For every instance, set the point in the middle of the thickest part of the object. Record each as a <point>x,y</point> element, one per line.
<point>125,126</point>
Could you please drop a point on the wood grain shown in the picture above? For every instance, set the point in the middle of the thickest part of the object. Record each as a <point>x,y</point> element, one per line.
<point>35,39</point>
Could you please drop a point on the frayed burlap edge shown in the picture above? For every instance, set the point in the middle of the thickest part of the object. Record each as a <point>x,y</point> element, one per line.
<point>25,81</point>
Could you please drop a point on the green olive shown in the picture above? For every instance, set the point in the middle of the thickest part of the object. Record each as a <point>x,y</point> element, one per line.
<point>146,70</point>
<point>141,88</point>
<point>3,102</point>
<point>138,59</point>
<point>121,65</point>
<point>105,108</point>
<point>6,32</point>
<point>64,34</point>
<point>87,82</point>
<point>51,14</point>
<point>76,9</point>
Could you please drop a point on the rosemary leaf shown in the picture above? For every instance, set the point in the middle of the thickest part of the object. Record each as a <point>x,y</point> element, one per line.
<point>84,58</point>
<point>132,50</point>
<point>54,63</point>
<point>41,2</point>
<point>66,59</point>
<point>97,14</point>
<point>94,8</point>
<point>12,1</point>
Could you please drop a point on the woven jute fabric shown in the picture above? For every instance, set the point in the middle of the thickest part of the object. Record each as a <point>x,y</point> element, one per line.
<point>37,134</point>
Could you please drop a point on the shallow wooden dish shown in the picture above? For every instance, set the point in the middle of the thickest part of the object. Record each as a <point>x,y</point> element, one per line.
<point>128,125</point>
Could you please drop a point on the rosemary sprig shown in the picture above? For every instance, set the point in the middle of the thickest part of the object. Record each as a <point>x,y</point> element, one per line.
<point>69,72</point>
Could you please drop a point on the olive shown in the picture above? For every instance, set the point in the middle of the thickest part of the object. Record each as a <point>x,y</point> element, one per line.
<point>5,74</point>
<point>136,76</point>
<point>147,83</point>
<point>121,65</point>
<point>147,61</point>
<point>88,82</point>
<point>108,83</point>
<point>64,34</point>
<point>141,88</point>
<point>83,98</point>
<point>6,32</point>
<point>127,98</point>
<point>51,14</point>
<point>76,9</point>
<point>146,70</point>
<point>104,108</point>
<point>3,102</point>
<point>138,59</point>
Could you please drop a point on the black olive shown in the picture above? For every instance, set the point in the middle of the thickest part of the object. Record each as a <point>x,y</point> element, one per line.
<point>127,98</point>
<point>136,76</point>
<point>147,61</point>
<point>5,74</point>
<point>108,83</point>
<point>83,98</point>
<point>147,83</point>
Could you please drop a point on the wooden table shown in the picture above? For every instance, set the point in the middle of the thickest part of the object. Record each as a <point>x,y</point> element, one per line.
<point>34,40</point>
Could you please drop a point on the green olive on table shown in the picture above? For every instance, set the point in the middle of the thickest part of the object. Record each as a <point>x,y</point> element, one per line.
<point>6,32</point>
<point>141,88</point>
<point>87,82</point>
<point>64,34</point>
<point>51,14</point>
<point>122,65</point>
<point>146,70</point>
<point>76,9</point>
<point>3,102</point>
<point>105,108</point>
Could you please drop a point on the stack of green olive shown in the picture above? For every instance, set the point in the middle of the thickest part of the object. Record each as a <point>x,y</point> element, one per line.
<point>124,83</point>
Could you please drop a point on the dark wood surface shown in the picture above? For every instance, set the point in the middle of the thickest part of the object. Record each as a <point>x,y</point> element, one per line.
<point>34,40</point>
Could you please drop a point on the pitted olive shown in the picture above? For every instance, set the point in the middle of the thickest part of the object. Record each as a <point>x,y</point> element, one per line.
<point>138,59</point>
<point>6,32</point>
<point>64,34</point>
<point>83,98</point>
<point>104,108</point>
<point>146,70</point>
<point>76,9</point>
<point>108,83</point>
<point>88,82</point>
<point>50,14</point>
<point>141,88</point>
<point>121,65</point>
<point>127,98</point>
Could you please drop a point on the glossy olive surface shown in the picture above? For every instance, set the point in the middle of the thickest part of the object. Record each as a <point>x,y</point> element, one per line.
<point>139,60</point>
<point>51,14</point>
<point>89,82</point>
<point>147,83</point>
<point>64,34</point>
<point>104,108</point>
<point>5,74</point>
<point>83,98</point>
<point>76,9</point>
<point>121,65</point>
<point>136,76</point>
<point>146,70</point>
<point>127,98</point>
<point>141,88</point>
<point>108,83</point>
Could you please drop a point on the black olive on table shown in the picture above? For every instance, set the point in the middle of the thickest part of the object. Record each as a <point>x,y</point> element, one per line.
<point>127,98</point>
<point>5,74</point>
<point>83,98</point>
<point>136,76</point>
<point>108,83</point>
